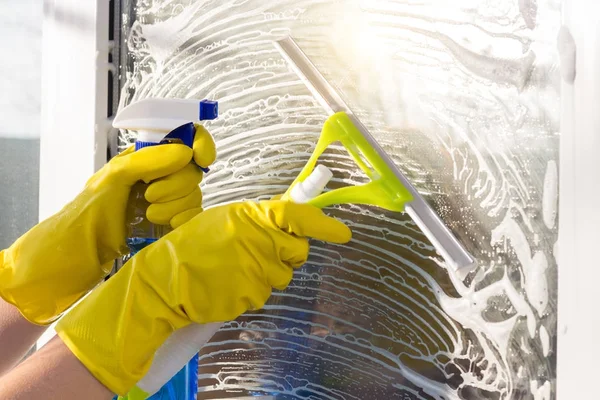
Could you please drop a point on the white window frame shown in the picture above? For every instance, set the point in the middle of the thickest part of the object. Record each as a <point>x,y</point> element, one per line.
<point>579,210</point>
<point>74,126</point>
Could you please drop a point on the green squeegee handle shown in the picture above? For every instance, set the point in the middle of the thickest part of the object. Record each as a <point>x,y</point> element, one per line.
<point>384,190</point>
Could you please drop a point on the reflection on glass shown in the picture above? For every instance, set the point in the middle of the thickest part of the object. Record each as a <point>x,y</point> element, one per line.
<point>464,96</point>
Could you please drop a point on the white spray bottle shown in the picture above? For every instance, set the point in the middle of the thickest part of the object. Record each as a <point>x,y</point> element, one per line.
<point>157,122</point>
<point>185,343</point>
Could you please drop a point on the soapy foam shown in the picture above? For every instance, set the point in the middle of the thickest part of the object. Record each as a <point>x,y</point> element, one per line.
<point>463,97</point>
<point>545,339</point>
<point>550,204</point>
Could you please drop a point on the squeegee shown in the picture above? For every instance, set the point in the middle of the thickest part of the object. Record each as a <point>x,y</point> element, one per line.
<point>388,187</point>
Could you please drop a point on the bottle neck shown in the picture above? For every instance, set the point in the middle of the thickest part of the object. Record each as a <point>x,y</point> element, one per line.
<point>148,138</point>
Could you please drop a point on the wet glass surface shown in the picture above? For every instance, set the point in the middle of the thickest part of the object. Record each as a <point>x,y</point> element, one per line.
<point>464,96</point>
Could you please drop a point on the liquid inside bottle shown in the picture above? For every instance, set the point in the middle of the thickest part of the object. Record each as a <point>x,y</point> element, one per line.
<point>141,232</point>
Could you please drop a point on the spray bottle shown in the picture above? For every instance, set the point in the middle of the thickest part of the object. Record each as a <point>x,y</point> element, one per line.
<point>157,122</point>
<point>184,344</point>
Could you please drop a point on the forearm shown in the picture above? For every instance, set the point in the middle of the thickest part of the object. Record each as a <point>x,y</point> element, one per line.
<point>17,336</point>
<point>52,373</point>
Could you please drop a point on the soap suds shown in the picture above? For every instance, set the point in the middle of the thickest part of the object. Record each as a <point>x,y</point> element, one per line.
<point>541,392</point>
<point>550,197</point>
<point>533,265</point>
<point>545,339</point>
<point>528,10</point>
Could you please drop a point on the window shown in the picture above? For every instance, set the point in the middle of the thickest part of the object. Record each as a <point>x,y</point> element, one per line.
<point>464,98</point>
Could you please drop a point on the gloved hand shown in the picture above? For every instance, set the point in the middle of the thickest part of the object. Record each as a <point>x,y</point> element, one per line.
<point>215,267</point>
<point>59,260</point>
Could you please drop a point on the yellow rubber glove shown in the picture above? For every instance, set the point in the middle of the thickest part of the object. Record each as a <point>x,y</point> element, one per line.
<point>177,198</point>
<point>59,260</point>
<point>214,268</point>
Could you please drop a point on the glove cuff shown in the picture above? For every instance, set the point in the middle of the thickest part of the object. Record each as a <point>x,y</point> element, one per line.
<point>116,330</point>
<point>16,295</point>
